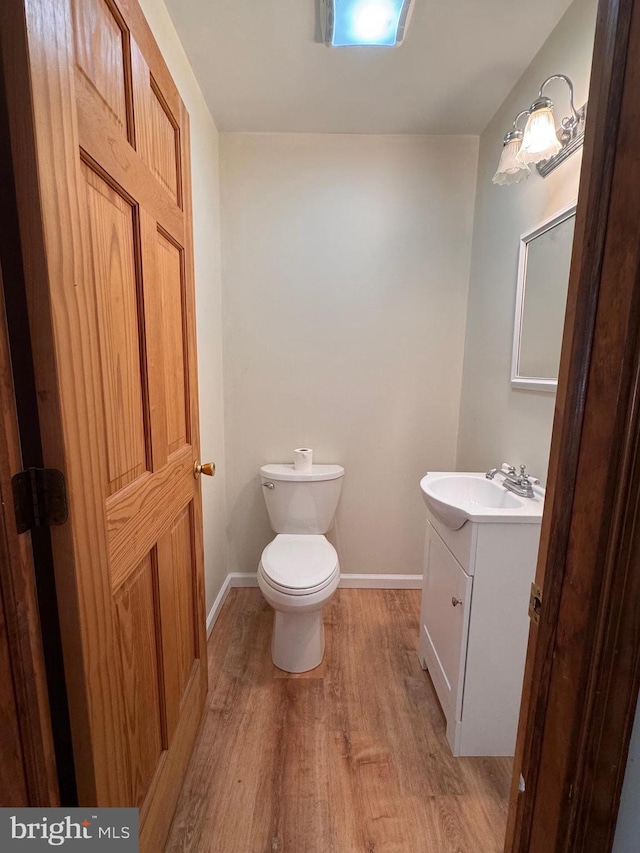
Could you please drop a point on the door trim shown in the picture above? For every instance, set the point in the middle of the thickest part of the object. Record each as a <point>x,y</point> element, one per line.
<point>18,587</point>
<point>18,598</point>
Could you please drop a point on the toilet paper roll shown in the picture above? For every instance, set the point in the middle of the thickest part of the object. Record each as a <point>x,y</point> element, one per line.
<point>303,460</point>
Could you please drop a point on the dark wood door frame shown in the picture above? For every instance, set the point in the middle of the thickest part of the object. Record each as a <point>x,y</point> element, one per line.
<point>25,704</point>
<point>584,664</point>
<point>19,596</point>
<point>28,563</point>
<point>28,775</point>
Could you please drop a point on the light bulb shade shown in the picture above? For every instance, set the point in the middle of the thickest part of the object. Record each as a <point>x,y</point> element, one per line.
<point>510,169</point>
<point>540,141</point>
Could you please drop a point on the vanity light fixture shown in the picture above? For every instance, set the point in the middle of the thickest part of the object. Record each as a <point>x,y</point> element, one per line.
<point>540,143</point>
<point>349,23</point>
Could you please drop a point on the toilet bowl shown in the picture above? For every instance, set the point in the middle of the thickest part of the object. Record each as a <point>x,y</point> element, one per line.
<point>298,574</point>
<point>299,569</point>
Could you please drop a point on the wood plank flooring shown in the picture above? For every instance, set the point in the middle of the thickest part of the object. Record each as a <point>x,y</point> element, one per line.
<point>348,758</point>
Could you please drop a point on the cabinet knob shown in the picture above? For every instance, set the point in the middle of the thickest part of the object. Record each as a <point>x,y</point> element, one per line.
<point>456,601</point>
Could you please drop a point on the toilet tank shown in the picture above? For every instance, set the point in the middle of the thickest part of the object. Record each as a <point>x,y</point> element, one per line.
<point>301,503</point>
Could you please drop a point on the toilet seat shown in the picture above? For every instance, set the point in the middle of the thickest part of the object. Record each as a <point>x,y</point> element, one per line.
<point>299,564</point>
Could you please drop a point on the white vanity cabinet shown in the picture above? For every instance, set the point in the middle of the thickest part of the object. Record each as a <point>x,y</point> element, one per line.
<point>474,627</point>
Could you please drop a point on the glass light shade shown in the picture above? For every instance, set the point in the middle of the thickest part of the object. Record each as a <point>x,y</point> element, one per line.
<point>540,138</point>
<point>366,22</point>
<point>510,169</point>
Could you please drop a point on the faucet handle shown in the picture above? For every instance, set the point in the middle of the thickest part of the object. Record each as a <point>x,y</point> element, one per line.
<point>524,476</point>
<point>508,469</point>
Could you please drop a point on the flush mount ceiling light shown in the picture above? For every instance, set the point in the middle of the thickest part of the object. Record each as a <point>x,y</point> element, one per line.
<point>382,23</point>
<point>540,143</point>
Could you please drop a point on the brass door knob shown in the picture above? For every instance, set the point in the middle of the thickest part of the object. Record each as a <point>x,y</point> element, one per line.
<point>208,468</point>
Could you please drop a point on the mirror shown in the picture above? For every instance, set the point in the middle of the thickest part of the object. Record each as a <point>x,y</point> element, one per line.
<point>543,278</point>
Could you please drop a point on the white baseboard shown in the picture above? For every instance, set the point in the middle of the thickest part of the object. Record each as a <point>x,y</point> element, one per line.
<point>355,581</point>
<point>240,579</point>
<point>233,579</point>
<point>221,597</point>
<point>347,581</point>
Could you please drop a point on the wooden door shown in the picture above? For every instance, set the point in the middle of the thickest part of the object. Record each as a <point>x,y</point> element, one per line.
<point>101,146</point>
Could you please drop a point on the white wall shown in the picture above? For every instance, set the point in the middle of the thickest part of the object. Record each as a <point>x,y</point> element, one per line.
<point>628,826</point>
<point>498,423</point>
<point>346,263</point>
<point>206,239</point>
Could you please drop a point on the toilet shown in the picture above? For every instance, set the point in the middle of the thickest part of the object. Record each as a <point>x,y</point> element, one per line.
<point>299,569</point>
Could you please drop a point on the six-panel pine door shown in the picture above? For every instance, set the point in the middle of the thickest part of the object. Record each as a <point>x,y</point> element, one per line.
<point>102,165</point>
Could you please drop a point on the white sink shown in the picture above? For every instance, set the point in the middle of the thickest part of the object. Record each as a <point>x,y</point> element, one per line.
<point>457,498</point>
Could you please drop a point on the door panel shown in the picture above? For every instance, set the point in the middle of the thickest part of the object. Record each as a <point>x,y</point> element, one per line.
<point>160,141</point>
<point>175,557</point>
<point>100,38</point>
<point>115,303</point>
<point>181,569</point>
<point>170,267</point>
<point>111,221</point>
<point>135,604</point>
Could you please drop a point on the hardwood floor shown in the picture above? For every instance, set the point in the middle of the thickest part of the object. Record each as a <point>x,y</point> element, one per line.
<point>348,758</point>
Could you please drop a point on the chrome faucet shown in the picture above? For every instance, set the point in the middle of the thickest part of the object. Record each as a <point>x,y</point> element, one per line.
<point>520,484</point>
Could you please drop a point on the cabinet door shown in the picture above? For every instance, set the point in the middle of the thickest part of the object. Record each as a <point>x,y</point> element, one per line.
<point>445,624</point>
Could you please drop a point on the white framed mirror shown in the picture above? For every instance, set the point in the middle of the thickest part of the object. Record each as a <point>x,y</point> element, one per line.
<point>543,278</point>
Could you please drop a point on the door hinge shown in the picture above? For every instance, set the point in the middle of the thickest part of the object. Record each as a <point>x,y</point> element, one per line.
<point>535,603</point>
<point>39,498</point>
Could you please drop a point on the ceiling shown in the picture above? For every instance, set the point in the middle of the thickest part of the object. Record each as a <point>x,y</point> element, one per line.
<point>261,69</point>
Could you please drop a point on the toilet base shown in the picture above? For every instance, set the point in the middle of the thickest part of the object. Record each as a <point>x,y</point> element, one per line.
<point>297,641</point>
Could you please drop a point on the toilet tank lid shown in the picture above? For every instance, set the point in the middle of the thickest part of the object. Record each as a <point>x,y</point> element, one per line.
<point>286,471</point>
